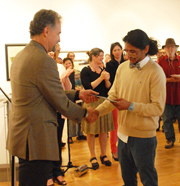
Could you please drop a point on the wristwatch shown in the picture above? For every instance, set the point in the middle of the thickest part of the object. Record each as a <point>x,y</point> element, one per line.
<point>131,107</point>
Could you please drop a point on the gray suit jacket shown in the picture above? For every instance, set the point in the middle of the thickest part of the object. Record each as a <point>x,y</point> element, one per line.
<point>37,95</point>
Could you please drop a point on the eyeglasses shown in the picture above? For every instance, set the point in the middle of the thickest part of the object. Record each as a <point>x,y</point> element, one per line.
<point>131,53</point>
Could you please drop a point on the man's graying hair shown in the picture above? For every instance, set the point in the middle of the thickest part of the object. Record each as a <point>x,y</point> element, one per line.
<point>139,39</point>
<point>42,19</point>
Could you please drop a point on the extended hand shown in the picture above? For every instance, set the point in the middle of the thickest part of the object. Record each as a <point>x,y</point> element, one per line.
<point>92,115</point>
<point>87,95</point>
<point>176,79</point>
<point>122,104</point>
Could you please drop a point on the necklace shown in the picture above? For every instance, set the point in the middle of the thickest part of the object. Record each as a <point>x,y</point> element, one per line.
<point>95,69</point>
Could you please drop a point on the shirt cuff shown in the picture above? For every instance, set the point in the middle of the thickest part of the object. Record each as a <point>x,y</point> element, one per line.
<point>76,97</point>
<point>86,113</point>
<point>131,107</point>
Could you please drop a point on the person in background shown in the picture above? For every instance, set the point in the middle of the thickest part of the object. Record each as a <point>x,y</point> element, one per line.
<point>107,58</point>
<point>125,56</point>
<point>161,53</point>
<point>97,79</point>
<point>111,67</point>
<point>74,128</point>
<point>37,95</point>
<point>56,54</point>
<point>139,94</point>
<point>56,175</point>
<point>71,55</point>
<point>78,84</point>
<point>171,66</point>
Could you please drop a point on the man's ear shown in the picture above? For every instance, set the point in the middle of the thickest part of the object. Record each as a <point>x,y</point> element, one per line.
<point>46,31</point>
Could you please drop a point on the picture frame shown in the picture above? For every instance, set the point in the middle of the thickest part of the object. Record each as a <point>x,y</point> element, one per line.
<point>80,60</point>
<point>10,51</point>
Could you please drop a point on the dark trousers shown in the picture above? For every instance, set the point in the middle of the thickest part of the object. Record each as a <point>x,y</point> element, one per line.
<point>56,170</point>
<point>170,112</point>
<point>37,172</point>
<point>34,173</point>
<point>138,155</point>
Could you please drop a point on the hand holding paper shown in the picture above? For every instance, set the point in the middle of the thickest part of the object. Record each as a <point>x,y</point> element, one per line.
<point>121,104</point>
<point>88,96</point>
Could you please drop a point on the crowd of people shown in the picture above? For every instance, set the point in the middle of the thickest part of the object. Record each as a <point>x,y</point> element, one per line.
<point>46,87</point>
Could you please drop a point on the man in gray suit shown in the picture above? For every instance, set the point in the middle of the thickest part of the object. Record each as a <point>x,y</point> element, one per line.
<point>37,96</point>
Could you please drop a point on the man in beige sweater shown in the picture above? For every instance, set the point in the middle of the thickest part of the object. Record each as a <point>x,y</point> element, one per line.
<point>140,92</point>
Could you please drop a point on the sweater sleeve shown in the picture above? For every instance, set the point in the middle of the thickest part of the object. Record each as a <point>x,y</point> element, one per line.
<point>49,85</point>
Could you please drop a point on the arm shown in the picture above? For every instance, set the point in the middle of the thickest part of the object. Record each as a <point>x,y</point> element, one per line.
<point>173,79</point>
<point>106,107</point>
<point>107,81</point>
<point>49,84</point>
<point>104,76</point>
<point>95,83</point>
<point>88,83</point>
<point>64,76</point>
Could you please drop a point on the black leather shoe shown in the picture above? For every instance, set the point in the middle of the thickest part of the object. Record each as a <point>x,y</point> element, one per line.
<point>94,165</point>
<point>83,137</point>
<point>115,159</point>
<point>169,144</point>
<point>107,162</point>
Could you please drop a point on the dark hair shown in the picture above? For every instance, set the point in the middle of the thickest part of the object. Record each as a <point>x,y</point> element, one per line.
<point>139,39</point>
<point>42,19</point>
<point>66,59</point>
<point>95,52</point>
<point>112,47</point>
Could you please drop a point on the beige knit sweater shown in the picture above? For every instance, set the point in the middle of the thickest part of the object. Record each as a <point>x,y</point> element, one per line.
<point>146,88</point>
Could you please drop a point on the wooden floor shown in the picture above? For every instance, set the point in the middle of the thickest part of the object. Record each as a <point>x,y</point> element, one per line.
<point>167,164</point>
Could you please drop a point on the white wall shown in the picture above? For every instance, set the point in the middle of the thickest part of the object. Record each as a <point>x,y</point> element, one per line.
<point>89,23</point>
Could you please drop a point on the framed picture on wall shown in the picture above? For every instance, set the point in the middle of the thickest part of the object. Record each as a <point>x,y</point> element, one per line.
<point>80,59</point>
<point>11,50</point>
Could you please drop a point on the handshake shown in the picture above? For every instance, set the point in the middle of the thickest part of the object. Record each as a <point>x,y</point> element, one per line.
<point>89,96</point>
<point>92,115</point>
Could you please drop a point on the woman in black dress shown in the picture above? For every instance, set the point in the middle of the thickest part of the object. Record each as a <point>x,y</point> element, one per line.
<point>96,78</point>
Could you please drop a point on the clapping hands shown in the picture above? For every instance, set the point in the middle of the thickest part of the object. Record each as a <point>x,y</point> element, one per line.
<point>105,75</point>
